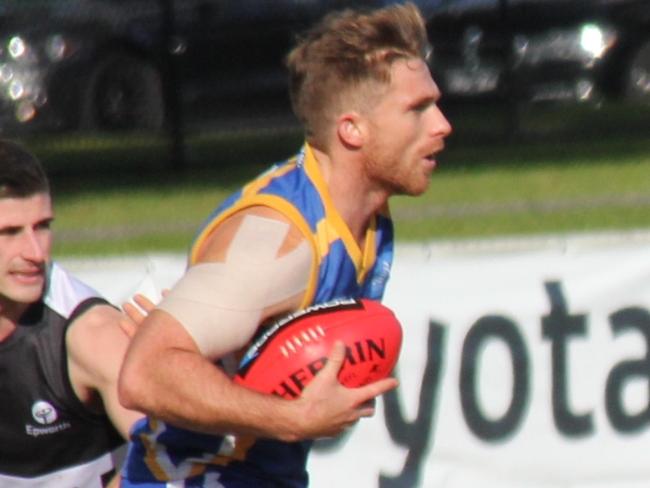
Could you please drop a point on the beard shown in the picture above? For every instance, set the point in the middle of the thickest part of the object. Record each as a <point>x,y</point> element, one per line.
<point>396,172</point>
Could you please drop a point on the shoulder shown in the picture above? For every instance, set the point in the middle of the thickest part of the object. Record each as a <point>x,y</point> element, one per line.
<point>252,228</point>
<point>267,257</point>
<point>96,345</point>
<point>95,323</point>
<point>95,339</point>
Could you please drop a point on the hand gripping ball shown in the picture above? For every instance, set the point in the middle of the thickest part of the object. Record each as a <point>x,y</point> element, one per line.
<point>289,352</point>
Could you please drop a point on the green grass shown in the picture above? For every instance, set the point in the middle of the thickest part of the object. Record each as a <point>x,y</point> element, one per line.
<point>160,217</point>
<point>533,188</point>
<point>118,196</point>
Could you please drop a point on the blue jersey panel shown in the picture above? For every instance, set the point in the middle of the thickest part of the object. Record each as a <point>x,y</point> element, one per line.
<point>160,452</point>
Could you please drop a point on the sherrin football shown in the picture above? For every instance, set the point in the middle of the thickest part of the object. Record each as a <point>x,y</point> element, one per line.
<point>288,353</point>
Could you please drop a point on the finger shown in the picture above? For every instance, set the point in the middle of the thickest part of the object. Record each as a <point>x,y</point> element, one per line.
<point>143,302</point>
<point>336,358</point>
<point>375,389</point>
<point>367,408</point>
<point>127,327</point>
<point>133,312</point>
<point>127,324</point>
<point>369,403</point>
<point>366,411</point>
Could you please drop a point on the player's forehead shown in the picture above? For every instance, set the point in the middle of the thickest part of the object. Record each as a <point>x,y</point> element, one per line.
<point>25,211</point>
<point>412,78</point>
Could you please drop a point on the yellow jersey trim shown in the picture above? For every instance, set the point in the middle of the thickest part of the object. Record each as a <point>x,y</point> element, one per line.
<point>335,226</point>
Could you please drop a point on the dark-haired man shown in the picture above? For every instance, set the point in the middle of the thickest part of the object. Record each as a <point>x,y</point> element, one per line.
<point>61,348</point>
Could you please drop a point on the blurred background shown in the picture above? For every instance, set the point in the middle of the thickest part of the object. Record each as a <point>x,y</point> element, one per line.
<point>176,101</point>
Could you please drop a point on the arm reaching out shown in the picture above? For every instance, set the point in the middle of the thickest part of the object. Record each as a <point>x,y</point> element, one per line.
<point>96,346</point>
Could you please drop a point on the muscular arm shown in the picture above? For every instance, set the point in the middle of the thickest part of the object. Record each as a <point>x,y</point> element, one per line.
<point>96,346</point>
<point>166,375</point>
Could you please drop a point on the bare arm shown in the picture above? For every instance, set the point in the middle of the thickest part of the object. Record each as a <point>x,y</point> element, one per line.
<point>96,346</point>
<point>165,375</point>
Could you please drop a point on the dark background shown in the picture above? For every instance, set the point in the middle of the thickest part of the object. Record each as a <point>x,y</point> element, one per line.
<point>165,86</point>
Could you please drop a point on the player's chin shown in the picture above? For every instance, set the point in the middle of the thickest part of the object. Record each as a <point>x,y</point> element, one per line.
<point>415,186</point>
<point>421,189</point>
<point>27,294</point>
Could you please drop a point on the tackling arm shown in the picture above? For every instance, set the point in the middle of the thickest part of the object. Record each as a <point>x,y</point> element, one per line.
<point>96,346</point>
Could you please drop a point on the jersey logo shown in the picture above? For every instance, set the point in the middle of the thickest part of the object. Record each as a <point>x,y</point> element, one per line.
<point>44,413</point>
<point>378,281</point>
<point>46,417</point>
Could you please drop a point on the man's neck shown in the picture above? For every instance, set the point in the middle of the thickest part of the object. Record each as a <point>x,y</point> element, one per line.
<point>7,327</point>
<point>9,316</point>
<point>354,199</point>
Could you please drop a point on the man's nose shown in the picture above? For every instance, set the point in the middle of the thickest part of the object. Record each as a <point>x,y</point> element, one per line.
<point>33,248</point>
<point>440,126</point>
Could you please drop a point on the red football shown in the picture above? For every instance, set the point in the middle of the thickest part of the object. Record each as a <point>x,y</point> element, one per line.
<point>292,350</point>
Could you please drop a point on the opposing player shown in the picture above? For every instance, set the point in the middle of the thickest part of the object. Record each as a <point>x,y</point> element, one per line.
<point>310,230</point>
<point>61,348</point>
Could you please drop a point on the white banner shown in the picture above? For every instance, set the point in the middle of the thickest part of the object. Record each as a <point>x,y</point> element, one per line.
<point>526,363</point>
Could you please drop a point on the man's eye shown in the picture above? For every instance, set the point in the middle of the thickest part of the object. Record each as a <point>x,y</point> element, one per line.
<point>9,231</point>
<point>421,107</point>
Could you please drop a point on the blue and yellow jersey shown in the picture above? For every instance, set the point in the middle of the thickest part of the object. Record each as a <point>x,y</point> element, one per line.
<point>160,452</point>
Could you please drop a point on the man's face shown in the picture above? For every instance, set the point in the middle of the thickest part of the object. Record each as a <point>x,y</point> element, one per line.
<point>407,130</point>
<point>25,242</point>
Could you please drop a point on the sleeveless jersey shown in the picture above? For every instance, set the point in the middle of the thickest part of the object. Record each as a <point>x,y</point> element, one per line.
<point>48,438</point>
<point>159,452</point>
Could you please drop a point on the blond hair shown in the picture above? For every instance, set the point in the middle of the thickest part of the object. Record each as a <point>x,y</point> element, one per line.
<point>345,51</point>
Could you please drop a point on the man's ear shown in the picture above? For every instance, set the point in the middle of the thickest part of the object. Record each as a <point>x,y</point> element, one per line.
<point>350,129</point>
